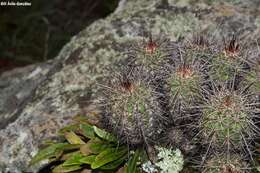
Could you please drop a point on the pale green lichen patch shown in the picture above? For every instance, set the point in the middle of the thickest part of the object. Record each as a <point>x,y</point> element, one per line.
<point>175,25</point>
<point>180,3</point>
<point>219,1</point>
<point>170,161</point>
<point>130,7</point>
<point>257,22</point>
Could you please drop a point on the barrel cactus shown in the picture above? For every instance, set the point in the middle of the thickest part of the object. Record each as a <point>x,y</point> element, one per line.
<point>227,117</point>
<point>183,85</point>
<point>150,53</point>
<point>228,62</point>
<point>131,107</point>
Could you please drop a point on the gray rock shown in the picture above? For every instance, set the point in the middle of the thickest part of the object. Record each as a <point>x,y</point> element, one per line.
<point>37,100</point>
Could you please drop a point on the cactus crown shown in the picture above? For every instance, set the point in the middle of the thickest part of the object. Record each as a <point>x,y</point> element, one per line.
<point>185,80</point>
<point>225,117</point>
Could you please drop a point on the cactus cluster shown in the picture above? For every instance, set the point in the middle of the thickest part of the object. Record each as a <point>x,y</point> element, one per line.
<point>191,105</point>
<point>206,89</point>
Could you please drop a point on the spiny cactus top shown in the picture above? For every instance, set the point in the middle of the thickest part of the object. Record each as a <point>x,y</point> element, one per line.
<point>207,89</point>
<point>132,107</point>
<point>227,117</point>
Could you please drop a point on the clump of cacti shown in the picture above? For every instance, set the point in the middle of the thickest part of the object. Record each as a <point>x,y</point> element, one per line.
<point>202,91</point>
<point>199,95</point>
<point>201,88</point>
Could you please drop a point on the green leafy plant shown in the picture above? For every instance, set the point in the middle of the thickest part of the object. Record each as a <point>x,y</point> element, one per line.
<point>86,147</point>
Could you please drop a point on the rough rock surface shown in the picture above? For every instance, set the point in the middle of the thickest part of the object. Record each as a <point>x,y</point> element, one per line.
<point>37,100</point>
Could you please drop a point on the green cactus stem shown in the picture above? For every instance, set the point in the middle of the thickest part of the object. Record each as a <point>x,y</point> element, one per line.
<point>133,109</point>
<point>226,117</point>
<point>227,63</point>
<point>183,85</point>
<point>151,52</point>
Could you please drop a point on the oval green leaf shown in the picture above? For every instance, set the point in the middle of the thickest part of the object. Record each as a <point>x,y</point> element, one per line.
<point>52,151</point>
<point>107,156</point>
<point>74,160</point>
<point>65,169</point>
<point>88,159</point>
<point>72,127</point>
<point>115,164</point>
<point>73,138</point>
<point>104,135</point>
<point>96,146</point>
<point>87,130</point>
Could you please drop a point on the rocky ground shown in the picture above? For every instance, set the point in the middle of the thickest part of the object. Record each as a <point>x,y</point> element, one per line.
<point>37,100</point>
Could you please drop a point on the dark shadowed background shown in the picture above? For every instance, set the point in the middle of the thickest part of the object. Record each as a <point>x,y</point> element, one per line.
<point>36,33</point>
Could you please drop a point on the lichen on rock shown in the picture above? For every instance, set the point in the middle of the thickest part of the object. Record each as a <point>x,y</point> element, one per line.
<point>169,161</point>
